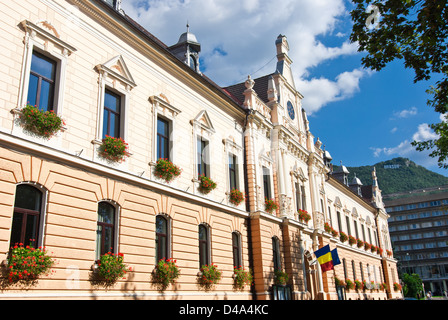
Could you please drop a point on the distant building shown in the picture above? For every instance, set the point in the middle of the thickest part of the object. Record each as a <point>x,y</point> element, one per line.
<point>418,226</point>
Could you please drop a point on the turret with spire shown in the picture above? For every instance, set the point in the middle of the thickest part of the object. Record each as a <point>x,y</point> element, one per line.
<point>187,49</point>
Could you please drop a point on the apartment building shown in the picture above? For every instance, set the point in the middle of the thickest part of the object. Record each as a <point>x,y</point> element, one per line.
<point>419,234</point>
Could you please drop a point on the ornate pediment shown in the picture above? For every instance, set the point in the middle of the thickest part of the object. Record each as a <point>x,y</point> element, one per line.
<point>299,174</point>
<point>203,121</point>
<point>117,68</point>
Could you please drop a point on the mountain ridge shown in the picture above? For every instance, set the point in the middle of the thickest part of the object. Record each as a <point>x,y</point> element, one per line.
<point>397,175</point>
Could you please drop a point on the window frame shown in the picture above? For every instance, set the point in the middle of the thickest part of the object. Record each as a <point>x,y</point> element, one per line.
<point>167,239</point>
<point>41,78</point>
<point>115,229</point>
<point>162,109</point>
<point>109,112</point>
<point>236,249</point>
<point>267,192</point>
<point>276,254</point>
<point>165,137</point>
<point>36,40</point>
<point>40,225</point>
<point>202,150</point>
<point>206,243</point>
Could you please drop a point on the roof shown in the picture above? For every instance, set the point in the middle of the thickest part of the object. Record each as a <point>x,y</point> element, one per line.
<point>165,49</point>
<point>260,87</point>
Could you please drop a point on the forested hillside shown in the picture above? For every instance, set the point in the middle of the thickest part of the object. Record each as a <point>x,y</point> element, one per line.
<point>398,175</point>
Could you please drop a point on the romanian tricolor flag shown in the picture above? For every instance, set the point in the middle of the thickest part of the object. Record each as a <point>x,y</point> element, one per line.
<point>324,257</point>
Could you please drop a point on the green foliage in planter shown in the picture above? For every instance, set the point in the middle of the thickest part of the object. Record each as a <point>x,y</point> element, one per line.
<point>113,149</point>
<point>42,123</point>
<point>270,205</point>
<point>280,277</point>
<point>242,277</point>
<point>236,197</point>
<point>351,240</point>
<point>349,284</point>
<point>26,264</point>
<point>166,170</point>
<point>304,216</point>
<point>343,236</point>
<point>210,275</point>
<point>359,243</point>
<point>166,272</point>
<point>359,285</point>
<point>111,267</point>
<point>206,184</point>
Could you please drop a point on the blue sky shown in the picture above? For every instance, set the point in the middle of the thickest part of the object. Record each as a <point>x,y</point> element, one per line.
<point>362,117</point>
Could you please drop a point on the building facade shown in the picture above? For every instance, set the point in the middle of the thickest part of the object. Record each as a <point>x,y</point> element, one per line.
<point>110,79</point>
<point>418,228</point>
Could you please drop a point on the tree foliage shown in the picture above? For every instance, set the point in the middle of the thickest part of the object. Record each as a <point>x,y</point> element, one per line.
<point>415,31</point>
<point>397,175</point>
<point>412,285</point>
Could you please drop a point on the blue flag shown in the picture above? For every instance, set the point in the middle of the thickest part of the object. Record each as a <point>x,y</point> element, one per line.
<point>335,257</point>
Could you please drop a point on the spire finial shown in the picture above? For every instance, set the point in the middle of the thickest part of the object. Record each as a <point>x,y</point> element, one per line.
<point>188,27</point>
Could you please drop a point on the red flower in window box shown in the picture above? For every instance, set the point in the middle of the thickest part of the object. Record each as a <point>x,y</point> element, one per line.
<point>270,205</point>
<point>304,216</point>
<point>206,184</point>
<point>351,240</point>
<point>113,149</point>
<point>210,275</point>
<point>26,264</point>
<point>236,196</point>
<point>343,236</point>
<point>42,123</point>
<point>111,267</point>
<point>166,170</point>
<point>166,272</point>
<point>242,277</point>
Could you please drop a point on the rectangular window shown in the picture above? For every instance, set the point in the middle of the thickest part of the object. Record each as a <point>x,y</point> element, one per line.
<point>202,157</point>
<point>163,139</point>
<point>266,183</point>
<point>233,176</point>
<point>42,82</point>
<point>347,219</point>
<point>111,115</point>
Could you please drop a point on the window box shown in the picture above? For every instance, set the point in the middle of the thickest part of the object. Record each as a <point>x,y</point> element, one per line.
<point>110,267</point>
<point>41,123</point>
<point>304,216</point>
<point>113,149</point>
<point>236,197</point>
<point>242,277</point>
<point>280,277</point>
<point>206,184</point>
<point>270,205</point>
<point>25,264</point>
<point>343,236</point>
<point>165,273</point>
<point>166,170</point>
<point>209,275</point>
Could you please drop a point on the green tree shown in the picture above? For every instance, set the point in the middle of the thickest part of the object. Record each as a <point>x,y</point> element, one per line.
<point>412,285</point>
<point>415,31</point>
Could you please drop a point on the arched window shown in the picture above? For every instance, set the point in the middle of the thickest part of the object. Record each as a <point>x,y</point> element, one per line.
<point>105,232</point>
<point>236,249</point>
<point>204,246</point>
<point>161,238</point>
<point>27,215</point>
<point>276,253</point>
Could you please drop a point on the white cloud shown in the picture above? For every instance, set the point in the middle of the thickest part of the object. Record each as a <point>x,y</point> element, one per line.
<point>406,113</point>
<point>320,92</point>
<point>246,31</point>
<point>405,149</point>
